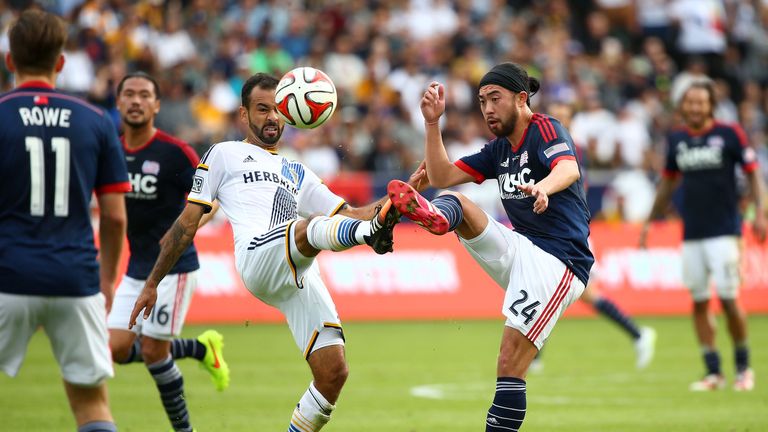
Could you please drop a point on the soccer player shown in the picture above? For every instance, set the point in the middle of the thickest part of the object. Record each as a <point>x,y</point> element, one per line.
<point>282,215</point>
<point>702,157</point>
<point>56,151</point>
<point>544,262</point>
<point>160,168</point>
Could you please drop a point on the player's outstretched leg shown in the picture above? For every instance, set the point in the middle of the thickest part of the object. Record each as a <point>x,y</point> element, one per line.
<point>441,215</point>
<point>212,359</point>
<point>338,233</point>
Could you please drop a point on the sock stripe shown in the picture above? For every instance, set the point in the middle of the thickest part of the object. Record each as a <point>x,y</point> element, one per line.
<point>301,422</point>
<point>451,208</point>
<point>507,408</point>
<point>501,427</point>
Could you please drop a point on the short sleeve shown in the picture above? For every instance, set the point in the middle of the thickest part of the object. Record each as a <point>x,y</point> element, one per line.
<point>557,144</point>
<point>480,165</point>
<point>112,175</point>
<point>744,154</point>
<point>314,195</point>
<point>207,178</point>
<point>671,170</point>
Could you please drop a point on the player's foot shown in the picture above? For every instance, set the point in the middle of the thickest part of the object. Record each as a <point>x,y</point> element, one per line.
<point>214,362</point>
<point>745,381</point>
<point>417,208</point>
<point>382,225</point>
<point>709,383</point>
<point>645,347</point>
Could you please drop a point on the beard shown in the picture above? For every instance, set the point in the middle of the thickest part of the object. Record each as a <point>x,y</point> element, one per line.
<point>506,127</point>
<point>136,124</point>
<point>259,132</point>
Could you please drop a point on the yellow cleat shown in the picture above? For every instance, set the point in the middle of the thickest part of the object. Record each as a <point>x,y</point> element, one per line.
<point>214,362</point>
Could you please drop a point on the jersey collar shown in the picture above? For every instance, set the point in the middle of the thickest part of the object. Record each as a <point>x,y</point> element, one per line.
<point>141,147</point>
<point>35,84</point>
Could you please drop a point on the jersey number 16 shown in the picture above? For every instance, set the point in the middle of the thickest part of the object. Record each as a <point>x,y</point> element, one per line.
<point>60,147</point>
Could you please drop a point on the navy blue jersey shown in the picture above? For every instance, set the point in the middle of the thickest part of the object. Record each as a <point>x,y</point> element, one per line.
<point>161,174</point>
<point>562,230</point>
<point>55,151</point>
<point>707,162</point>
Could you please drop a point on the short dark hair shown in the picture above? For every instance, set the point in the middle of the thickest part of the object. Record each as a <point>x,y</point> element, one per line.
<point>37,39</point>
<point>261,80</point>
<point>707,85</point>
<point>142,75</point>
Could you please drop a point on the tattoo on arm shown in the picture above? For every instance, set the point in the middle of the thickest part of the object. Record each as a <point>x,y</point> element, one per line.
<point>172,245</point>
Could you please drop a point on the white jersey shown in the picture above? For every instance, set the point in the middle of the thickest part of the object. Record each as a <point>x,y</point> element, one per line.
<point>258,190</point>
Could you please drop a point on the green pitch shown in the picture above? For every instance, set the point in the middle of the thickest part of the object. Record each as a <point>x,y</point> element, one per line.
<point>588,383</point>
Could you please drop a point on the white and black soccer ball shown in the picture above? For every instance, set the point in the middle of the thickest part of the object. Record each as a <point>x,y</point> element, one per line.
<point>305,97</point>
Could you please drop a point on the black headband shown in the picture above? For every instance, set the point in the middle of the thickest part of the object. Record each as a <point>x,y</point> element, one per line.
<point>508,75</point>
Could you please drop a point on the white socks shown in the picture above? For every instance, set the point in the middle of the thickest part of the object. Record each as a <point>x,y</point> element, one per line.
<point>337,233</point>
<point>312,412</point>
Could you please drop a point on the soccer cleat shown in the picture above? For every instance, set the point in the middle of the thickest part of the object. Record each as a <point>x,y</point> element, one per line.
<point>745,381</point>
<point>645,347</point>
<point>415,207</point>
<point>382,225</point>
<point>214,362</point>
<point>709,383</point>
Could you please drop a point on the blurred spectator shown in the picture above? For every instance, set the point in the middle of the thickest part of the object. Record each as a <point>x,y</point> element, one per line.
<point>616,62</point>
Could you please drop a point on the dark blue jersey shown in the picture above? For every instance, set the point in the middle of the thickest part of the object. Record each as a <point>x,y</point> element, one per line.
<point>562,230</point>
<point>55,151</point>
<point>707,162</point>
<point>161,174</point>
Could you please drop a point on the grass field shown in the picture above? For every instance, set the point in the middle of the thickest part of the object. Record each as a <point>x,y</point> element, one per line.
<point>588,383</point>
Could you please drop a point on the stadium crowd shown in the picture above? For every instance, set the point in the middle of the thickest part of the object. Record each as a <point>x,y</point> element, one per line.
<point>620,64</point>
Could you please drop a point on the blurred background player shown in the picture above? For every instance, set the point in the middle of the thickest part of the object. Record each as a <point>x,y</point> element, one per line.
<point>57,150</point>
<point>644,338</point>
<point>160,168</point>
<point>266,197</point>
<point>543,264</point>
<point>702,157</point>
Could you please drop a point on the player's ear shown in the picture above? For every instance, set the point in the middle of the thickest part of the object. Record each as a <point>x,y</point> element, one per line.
<point>59,63</point>
<point>9,63</point>
<point>243,114</point>
<point>157,106</point>
<point>522,97</point>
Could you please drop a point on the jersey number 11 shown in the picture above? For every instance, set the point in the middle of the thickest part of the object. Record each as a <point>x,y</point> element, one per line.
<point>60,147</point>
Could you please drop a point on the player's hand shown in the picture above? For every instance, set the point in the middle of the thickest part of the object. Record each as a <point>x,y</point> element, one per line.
<point>146,302</point>
<point>759,228</point>
<point>542,199</point>
<point>109,295</point>
<point>433,102</point>
<point>419,179</point>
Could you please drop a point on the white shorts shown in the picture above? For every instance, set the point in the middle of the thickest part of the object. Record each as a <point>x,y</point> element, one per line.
<point>539,287</point>
<point>713,260</point>
<point>174,294</point>
<point>76,328</point>
<point>275,272</point>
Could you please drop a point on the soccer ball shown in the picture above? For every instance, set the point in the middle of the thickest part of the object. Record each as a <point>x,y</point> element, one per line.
<point>305,97</point>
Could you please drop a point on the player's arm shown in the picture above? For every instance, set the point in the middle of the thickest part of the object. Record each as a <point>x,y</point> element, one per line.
<point>112,225</point>
<point>756,189</point>
<point>664,191</point>
<point>440,170</point>
<point>207,217</point>
<point>418,180</point>
<point>563,174</point>
<point>172,245</point>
